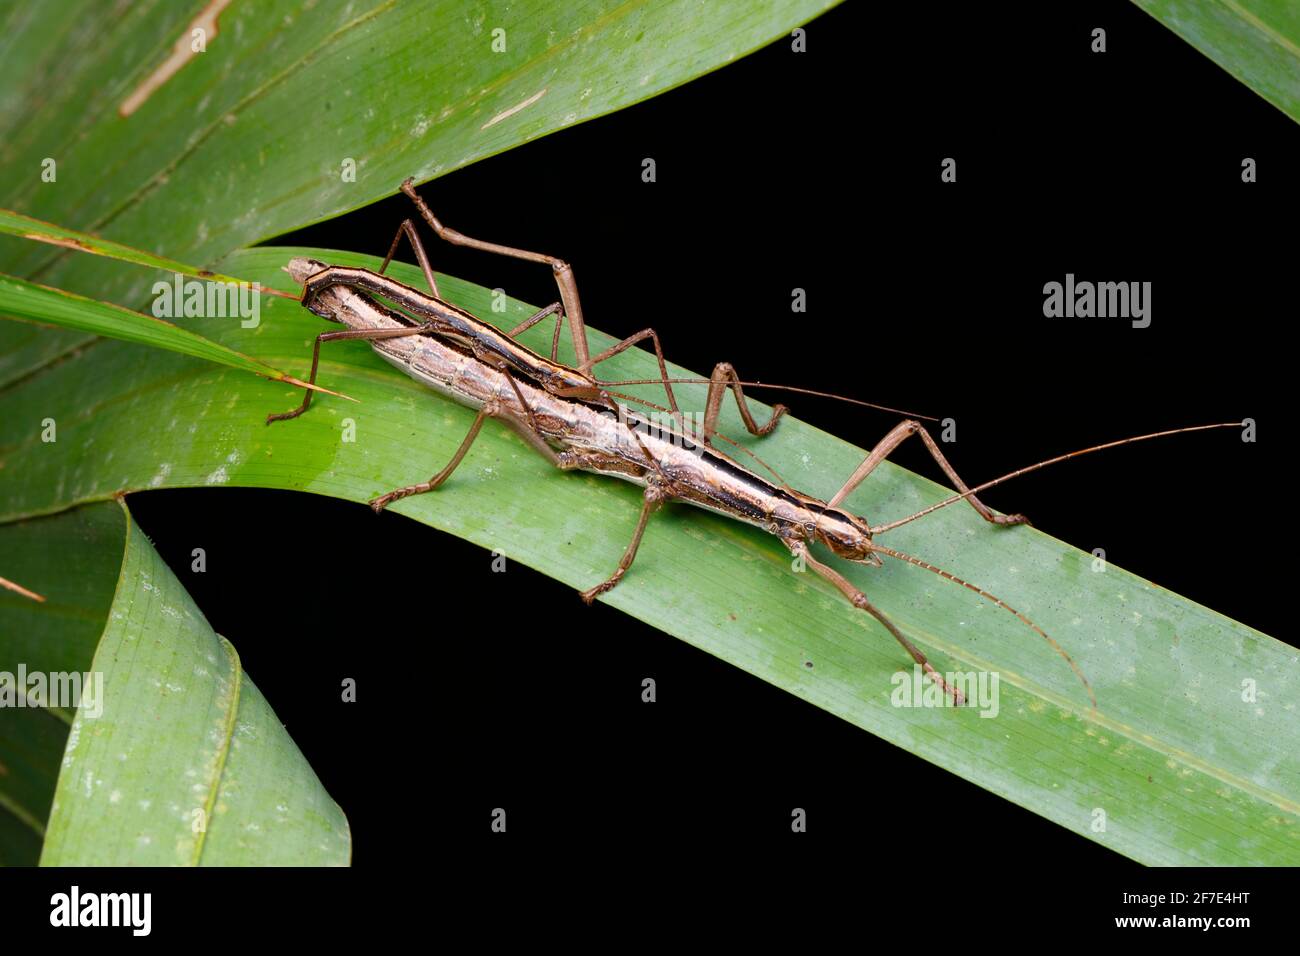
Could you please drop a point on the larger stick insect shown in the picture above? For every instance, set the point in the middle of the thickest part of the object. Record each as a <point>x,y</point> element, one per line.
<point>574,419</point>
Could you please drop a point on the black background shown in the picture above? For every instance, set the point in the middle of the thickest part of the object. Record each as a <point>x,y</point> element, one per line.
<point>818,170</point>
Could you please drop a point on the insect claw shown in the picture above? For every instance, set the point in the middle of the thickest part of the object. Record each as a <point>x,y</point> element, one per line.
<point>957,699</point>
<point>1009,520</point>
<point>588,596</point>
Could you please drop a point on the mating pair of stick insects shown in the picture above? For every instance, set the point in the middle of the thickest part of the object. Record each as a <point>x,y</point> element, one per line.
<point>577,421</point>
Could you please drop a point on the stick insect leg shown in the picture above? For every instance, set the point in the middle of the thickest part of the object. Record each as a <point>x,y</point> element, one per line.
<point>563,271</point>
<point>860,600</point>
<point>335,337</point>
<point>528,428</point>
<point>626,344</point>
<point>556,309</point>
<point>383,501</point>
<point>654,497</point>
<point>897,436</point>
<point>408,228</point>
<point>724,376</point>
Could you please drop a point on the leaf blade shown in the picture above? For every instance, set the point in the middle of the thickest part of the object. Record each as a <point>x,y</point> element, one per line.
<point>37,230</point>
<point>75,558</point>
<point>186,763</point>
<point>37,303</point>
<point>1257,41</point>
<point>415,99</point>
<point>1189,781</point>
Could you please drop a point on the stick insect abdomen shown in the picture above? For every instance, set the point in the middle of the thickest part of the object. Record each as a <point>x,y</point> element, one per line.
<point>705,477</point>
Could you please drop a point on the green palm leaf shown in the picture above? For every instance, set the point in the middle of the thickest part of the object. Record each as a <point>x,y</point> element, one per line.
<point>1202,777</point>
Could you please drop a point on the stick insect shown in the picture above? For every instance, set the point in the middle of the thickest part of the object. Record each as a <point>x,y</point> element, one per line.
<point>574,419</point>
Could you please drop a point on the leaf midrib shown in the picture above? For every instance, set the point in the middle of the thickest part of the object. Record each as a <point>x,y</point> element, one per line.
<point>214,787</point>
<point>1268,31</point>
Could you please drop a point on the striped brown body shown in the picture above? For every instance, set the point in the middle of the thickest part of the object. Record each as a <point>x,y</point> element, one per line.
<point>463,358</point>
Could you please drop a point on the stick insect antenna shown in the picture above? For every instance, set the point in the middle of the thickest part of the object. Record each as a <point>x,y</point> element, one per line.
<point>19,589</point>
<point>1043,464</point>
<point>784,388</point>
<point>948,575</point>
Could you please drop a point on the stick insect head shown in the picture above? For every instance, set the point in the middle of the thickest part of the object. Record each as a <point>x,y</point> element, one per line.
<point>301,269</point>
<point>846,534</point>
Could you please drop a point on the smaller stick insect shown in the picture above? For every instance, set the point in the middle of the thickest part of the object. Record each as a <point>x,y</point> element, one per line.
<point>565,413</point>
